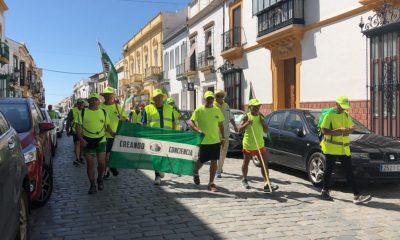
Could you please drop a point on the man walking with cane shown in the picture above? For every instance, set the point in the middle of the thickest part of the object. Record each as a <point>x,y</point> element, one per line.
<point>228,118</point>
<point>254,126</point>
<point>336,127</point>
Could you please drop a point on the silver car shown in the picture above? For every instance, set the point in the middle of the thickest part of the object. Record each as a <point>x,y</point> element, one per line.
<point>53,132</point>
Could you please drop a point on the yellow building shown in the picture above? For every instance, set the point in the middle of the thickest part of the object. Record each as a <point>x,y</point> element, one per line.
<point>143,61</point>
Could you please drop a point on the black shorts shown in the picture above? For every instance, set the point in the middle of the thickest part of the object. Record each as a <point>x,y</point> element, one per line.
<point>110,142</point>
<point>75,137</point>
<point>209,152</point>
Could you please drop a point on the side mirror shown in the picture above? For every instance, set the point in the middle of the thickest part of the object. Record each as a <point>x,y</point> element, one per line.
<point>45,126</point>
<point>299,132</point>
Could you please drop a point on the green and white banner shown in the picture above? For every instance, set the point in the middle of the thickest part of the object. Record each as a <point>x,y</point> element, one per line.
<point>141,147</point>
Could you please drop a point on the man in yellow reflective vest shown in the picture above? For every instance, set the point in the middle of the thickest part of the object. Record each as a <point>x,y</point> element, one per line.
<point>135,116</point>
<point>158,115</point>
<point>115,114</point>
<point>170,101</point>
<point>73,115</point>
<point>335,145</point>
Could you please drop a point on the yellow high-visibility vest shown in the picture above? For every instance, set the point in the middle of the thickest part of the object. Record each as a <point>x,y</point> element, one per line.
<point>336,145</point>
<point>153,118</point>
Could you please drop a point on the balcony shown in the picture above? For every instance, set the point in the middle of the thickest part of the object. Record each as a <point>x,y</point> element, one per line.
<point>232,43</point>
<point>165,77</point>
<point>191,70</point>
<point>152,73</point>
<point>137,78</point>
<point>205,61</point>
<point>4,53</point>
<point>180,71</point>
<point>279,15</point>
<point>280,22</point>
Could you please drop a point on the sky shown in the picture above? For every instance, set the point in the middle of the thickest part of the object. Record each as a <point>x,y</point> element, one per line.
<point>62,34</point>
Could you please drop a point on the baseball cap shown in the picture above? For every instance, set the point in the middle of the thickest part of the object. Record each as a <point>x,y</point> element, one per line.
<point>208,94</point>
<point>157,92</point>
<point>254,102</point>
<point>343,101</point>
<point>170,100</point>
<point>220,92</point>
<point>94,95</point>
<point>108,90</point>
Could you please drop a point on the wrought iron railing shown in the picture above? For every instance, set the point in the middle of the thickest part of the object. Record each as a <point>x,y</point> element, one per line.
<point>152,72</point>
<point>279,15</point>
<point>205,58</point>
<point>233,38</point>
<point>180,70</point>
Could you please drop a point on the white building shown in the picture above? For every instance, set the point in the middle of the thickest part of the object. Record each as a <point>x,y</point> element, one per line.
<point>204,45</point>
<point>82,89</point>
<point>174,52</point>
<point>303,54</point>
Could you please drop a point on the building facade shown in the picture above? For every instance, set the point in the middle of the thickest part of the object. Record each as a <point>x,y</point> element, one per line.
<point>174,74</point>
<point>143,60</point>
<point>204,45</point>
<point>303,54</point>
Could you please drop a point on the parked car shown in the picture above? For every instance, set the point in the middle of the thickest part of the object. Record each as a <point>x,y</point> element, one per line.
<point>235,139</point>
<point>293,142</point>
<point>59,124</point>
<point>14,185</point>
<point>27,119</point>
<point>185,118</point>
<point>52,133</point>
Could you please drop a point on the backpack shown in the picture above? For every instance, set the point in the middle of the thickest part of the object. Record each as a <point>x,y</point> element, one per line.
<point>324,112</point>
<point>83,114</point>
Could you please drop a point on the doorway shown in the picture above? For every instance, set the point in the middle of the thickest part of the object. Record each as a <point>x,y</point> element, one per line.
<point>290,82</point>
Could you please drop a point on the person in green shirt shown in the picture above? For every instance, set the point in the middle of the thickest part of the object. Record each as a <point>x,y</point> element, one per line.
<point>254,127</point>
<point>73,114</point>
<point>135,116</point>
<point>53,114</point>
<point>208,119</point>
<point>115,114</point>
<point>335,145</point>
<point>170,101</point>
<point>91,128</point>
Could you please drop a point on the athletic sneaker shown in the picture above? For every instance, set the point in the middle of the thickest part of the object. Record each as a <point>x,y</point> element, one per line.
<point>245,184</point>
<point>100,184</point>
<point>212,187</point>
<point>325,196</point>
<point>219,175</point>
<point>106,174</point>
<point>361,199</point>
<point>273,187</point>
<point>114,171</point>
<point>196,179</point>
<point>162,175</point>
<point>92,189</point>
<point>76,162</point>
<point>157,180</point>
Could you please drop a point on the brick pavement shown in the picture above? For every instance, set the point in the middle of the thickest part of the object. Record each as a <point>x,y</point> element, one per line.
<point>131,207</point>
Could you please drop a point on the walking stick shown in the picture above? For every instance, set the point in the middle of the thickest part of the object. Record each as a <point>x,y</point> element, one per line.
<point>262,160</point>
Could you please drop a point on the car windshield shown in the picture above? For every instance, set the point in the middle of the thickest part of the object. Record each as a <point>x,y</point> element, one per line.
<point>313,119</point>
<point>238,116</point>
<point>17,115</point>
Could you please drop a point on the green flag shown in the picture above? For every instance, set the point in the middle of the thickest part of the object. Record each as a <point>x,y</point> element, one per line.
<point>110,73</point>
<point>164,150</point>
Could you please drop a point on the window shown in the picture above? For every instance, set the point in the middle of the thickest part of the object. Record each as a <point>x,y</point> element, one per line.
<point>208,42</point>
<point>22,73</point>
<point>166,61</point>
<point>192,55</point>
<point>18,116</point>
<point>183,51</point>
<point>177,57</point>
<point>276,120</point>
<point>233,88</point>
<point>3,124</point>
<point>155,57</point>
<point>293,122</point>
<point>171,59</point>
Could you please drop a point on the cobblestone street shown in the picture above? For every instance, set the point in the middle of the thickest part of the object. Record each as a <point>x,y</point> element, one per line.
<point>131,207</point>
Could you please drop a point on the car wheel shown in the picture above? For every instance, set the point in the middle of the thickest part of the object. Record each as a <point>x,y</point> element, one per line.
<point>46,186</point>
<point>23,216</point>
<point>316,168</point>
